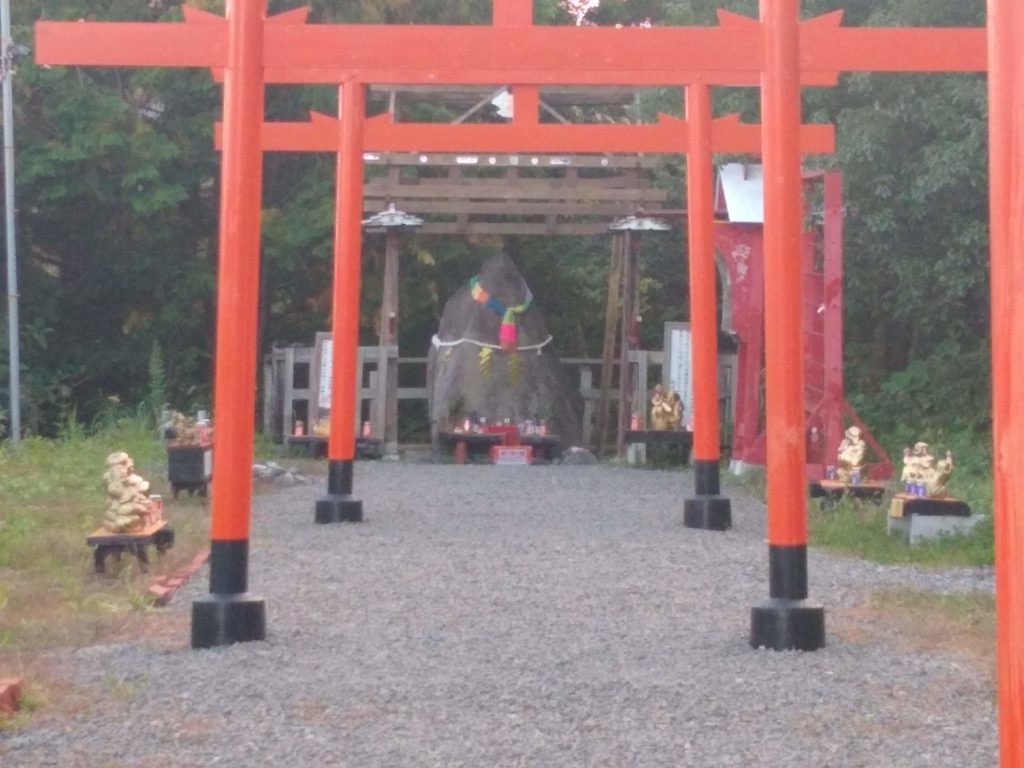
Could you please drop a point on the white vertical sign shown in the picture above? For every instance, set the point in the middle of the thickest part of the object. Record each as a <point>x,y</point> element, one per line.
<point>326,358</point>
<point>678,372</point>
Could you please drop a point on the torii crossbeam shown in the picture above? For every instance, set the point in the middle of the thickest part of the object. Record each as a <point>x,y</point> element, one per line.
<point>778,51</point>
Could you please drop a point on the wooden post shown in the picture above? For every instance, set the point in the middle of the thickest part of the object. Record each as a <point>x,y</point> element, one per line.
<point>626,321</point>
<point>388,339</point>
<point>611,320</point>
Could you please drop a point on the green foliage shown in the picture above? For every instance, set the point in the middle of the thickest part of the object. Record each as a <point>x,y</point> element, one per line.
<point>157,398</point>
<point>51,497</point>
<point>858,529</point>
<point>118,229</point>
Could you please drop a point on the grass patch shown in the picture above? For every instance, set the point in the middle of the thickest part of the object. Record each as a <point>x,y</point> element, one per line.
<point>963,622</point>
<point>858,528</point>
<point>51,498</point>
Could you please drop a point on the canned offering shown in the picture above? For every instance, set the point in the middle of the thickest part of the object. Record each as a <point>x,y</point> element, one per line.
<point>156,507</point>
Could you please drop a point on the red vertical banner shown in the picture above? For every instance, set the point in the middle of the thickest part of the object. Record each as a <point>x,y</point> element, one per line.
<point>238,278</point>
<point>348,240</point>
<point>1006,180</point>
<point>786,448</point>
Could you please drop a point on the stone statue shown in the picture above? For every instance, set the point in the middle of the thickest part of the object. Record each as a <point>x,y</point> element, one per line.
<point>183,430</point>
<point>851,455</point>
<point>129,507</point>
<point>666,409</point>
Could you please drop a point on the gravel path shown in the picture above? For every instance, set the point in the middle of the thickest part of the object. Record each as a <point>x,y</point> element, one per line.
<point>507,616</point>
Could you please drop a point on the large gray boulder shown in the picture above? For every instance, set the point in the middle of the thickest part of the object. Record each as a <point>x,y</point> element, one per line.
<point>469,373</point>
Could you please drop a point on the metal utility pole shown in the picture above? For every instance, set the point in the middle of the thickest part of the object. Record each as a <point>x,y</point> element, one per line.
<point>7,64</point>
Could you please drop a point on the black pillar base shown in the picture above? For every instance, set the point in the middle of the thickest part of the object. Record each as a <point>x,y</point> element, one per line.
<point>334,508</point>
<point>226,619</point>
<point>710,513</point>
<point>338,506</point>
<point>787,625</point>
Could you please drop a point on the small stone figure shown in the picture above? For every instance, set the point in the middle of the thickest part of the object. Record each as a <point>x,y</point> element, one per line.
<point>851,455</point>
<point>183,431</point>
<point>129,507</point>
<point>666,409</point>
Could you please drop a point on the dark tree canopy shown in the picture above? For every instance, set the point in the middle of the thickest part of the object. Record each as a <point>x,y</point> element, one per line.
<point>117,215</point>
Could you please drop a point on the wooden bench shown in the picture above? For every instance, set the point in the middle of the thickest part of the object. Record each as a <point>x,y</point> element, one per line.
<point>466,444</point>
<point>106,543</point>
<point>544,446</point>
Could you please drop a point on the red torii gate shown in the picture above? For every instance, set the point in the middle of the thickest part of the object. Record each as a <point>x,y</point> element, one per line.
<point>777,49</point>
<point>698,136</point>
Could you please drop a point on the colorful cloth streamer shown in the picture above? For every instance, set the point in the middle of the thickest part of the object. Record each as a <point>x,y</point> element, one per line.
<point>508,334</point>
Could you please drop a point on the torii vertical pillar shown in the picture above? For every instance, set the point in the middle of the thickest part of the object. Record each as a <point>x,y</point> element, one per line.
<point>707,509</point>
<point>1006,179</point>
<point>229,614</point>
<point>785,621</point>
<point>339,505</point>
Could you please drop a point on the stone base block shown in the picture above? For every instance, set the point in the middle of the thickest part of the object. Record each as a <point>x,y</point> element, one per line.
<point>917,528</point>
<point>787,625</point>
<point>710,513</point>
<point>338,509</point>
<point>227,619</point>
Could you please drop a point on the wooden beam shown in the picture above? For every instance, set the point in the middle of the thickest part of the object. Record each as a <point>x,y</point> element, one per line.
<point>517,191</point>
<point>373,204</point>
<point>514,228</point>
<point>506,160</point>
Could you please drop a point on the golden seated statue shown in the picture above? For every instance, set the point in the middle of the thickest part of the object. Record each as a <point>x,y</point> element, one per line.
<point>666,409</point>
<point>851,455</point>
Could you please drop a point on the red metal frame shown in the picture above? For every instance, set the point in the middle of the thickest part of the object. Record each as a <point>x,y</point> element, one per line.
<point>741,247</point>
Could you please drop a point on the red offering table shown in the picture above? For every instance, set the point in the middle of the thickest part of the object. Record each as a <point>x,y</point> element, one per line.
<point>134,543</point>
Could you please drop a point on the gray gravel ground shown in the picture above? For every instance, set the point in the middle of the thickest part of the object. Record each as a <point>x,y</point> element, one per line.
<point>509,616</point>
